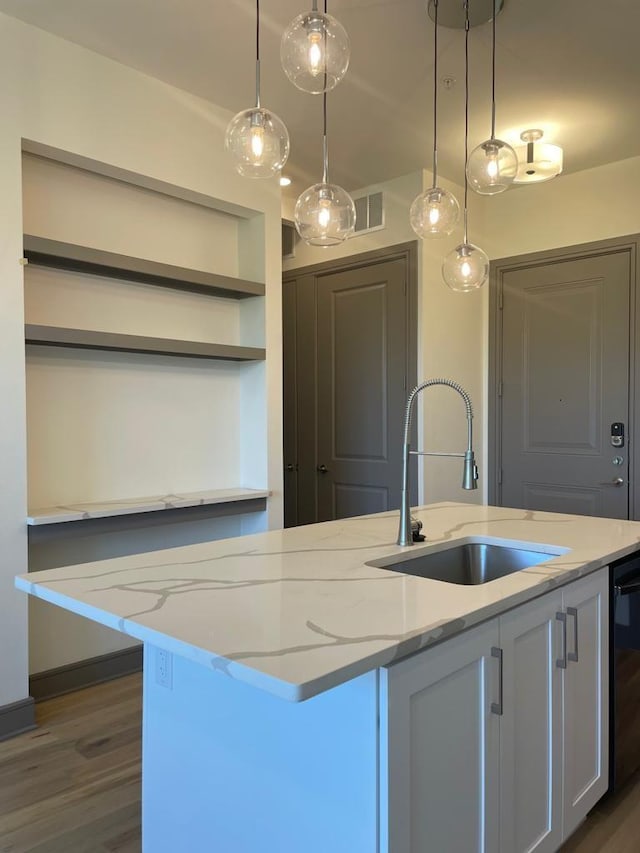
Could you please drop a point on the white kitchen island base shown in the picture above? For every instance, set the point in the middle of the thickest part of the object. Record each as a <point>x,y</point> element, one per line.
<point>231,769</point>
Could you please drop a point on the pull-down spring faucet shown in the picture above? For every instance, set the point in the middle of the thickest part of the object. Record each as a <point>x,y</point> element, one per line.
<point>470,471</point>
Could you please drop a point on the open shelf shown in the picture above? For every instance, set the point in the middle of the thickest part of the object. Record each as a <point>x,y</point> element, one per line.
<point>59,336</point>
<point>68,256</point>
<point>129,506</point>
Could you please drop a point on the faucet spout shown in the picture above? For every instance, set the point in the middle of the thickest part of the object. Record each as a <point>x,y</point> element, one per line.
<point>470,469</point>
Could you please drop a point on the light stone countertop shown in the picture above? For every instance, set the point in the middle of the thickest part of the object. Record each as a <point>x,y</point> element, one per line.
<point>128,506</point>
<point>296,612</point>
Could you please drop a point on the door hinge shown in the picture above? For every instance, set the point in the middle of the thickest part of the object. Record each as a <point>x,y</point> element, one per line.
<point>500,388</point>
<point>499,476</point>
<point>500,300</point>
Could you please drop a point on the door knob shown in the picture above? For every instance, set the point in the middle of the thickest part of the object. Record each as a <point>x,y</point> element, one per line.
<point>617,481</point>
<point>322,469</point>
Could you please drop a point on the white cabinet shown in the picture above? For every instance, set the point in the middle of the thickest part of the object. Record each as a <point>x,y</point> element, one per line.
<point>585,698</point>
<point>497,739</point>
<point>531,728</point>
<point>440,790</point>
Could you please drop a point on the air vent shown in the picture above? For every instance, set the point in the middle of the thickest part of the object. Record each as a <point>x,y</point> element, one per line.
<point>289,240</point>
<point>369,212</point>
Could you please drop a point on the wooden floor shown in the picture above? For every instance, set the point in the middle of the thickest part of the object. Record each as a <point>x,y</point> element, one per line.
<point>73,785</point>
<point>613,826</point>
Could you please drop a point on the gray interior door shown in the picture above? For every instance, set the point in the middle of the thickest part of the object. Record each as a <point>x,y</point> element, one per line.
<point>290,409</point>
<point>349,362</point>
<point>362,389</point>
<point>565,381</point>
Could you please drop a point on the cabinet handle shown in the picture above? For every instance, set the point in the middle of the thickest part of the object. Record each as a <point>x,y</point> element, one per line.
<point>322,469</point>
<point>496,707</point>
<point>572,611</point>
<point>561,662</point>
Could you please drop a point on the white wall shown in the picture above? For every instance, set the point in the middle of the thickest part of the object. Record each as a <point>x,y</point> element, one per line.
<point>450,330</point>
<point>578,208</point>
<point>61,95</point>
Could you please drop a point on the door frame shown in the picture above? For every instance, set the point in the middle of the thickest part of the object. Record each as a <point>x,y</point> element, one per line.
<point>630,244</point>
<point>307,277</point>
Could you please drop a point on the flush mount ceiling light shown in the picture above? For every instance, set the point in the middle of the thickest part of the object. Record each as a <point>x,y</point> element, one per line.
<point>465,268</point>
<point>257,139</point>
<point>315,51</point>
<point>325,214</point>
<point>537,161</point>
<point>435,212</point>
<point>492,166</point>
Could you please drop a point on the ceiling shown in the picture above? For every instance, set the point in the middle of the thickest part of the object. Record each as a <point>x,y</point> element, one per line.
<point>567,66</point>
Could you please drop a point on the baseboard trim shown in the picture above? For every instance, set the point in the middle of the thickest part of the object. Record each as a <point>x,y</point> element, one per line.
<point>17,717</point>
<point>84,673</point>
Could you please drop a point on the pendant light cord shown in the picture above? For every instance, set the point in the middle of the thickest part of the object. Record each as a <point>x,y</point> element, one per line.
<point>258,54</point>
<point>493,72</point>
<point>435,94</point>
<point>325,144</point>
<point>466,112</point>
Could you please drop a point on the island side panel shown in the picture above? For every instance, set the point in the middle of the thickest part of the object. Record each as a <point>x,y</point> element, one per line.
<point>227,767</point>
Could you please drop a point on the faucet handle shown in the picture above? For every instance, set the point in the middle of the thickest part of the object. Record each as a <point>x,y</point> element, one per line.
<point>416,527</point>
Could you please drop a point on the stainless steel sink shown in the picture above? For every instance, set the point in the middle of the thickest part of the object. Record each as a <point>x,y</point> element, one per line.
<point>468,563</point>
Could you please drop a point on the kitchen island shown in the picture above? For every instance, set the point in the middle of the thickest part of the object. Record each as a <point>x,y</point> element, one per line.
<point>281,711</point>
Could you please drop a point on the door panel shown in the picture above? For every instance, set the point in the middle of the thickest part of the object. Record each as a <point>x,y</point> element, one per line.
<point>351,334</point>
<point>362,379</point>
<point>350,500</point>
<point>290,409</point>
<point>586,687</point>
<point>441,739</point>
<point>565,379</point>
<point>531,729</point>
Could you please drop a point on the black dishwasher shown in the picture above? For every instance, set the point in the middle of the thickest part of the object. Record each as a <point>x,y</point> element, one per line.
<point>624,737</point>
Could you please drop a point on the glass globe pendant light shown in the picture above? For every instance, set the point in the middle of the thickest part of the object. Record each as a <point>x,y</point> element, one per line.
<point>435,212</point>
<point>256,138</point>
<point>315,51</point>
<point>325,214</point>
<point>465,268</point>
<point>492,166</point>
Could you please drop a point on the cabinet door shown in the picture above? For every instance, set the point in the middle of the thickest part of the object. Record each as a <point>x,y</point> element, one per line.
<point>531,728</point>
<point>585,697</point>
<point>439,748</point>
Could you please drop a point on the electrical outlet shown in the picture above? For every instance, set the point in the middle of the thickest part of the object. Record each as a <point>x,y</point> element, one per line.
<point>164,668</point>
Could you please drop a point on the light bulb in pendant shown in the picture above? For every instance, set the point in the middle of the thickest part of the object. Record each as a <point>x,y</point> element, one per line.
<point>491,167</point>
<point>434,213</point>
<point>465,268</point>
<point>315,52</point>
<point>325,215</point>
<point>258,141</point>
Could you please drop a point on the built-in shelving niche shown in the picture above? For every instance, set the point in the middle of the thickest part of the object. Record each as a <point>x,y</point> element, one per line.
<point>121,269</point>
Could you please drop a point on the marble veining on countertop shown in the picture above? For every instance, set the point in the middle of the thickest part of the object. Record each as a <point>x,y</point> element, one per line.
<point>297,611</point>
<point>127,506</point>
